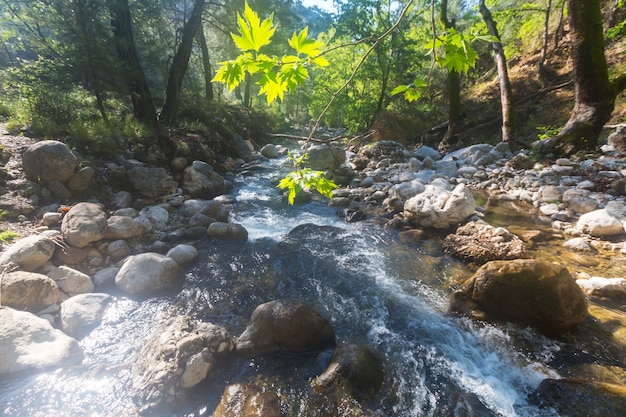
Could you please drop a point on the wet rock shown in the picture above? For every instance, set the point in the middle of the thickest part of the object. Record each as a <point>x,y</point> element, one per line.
<point>603,287</point>
<point>31,343</point>
<point>270,151</point>
<point>151,182</point>
<point>600,223</point>
<point>83,224</point>
<point>30,253</point>
<point>82,312</point>
<point>352,215</point>
<point>479,242</point>
<point>49,160</point>
<point>227,231</point>
<point>203,183</point>
<point>353,370</point>
<point>288,325</point>
<point>439,208</point>
<point>579,397</point>
<point>247,400</point>
<point>179,355</point>
<point>532,292</point>
<point>148,273</point>
<point>28,291</point>
<point>71,281</point>
<point>183,254</point>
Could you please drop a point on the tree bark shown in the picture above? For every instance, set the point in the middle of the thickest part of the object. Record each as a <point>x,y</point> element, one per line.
<point>86,47</point>
<point>506,94</point>
<point>121,23</point>
<point>594,94</point>
<point>179,65</point>
<point>206,64</point>
<point>546,37</point>
<point>453,84</point>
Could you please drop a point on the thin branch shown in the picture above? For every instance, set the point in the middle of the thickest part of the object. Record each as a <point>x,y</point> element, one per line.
<point>358,66</point>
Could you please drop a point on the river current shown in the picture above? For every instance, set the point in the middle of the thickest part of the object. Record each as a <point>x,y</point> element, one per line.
<point>375,290</point>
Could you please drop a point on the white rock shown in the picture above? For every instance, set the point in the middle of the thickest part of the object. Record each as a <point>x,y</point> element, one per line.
<point>270,151</point>
<point>82,312</point>
<point>148,272</point>
<point>406,190</point>
<point>439,208</point>
<point>603,287</point>
<point>29,342</point>
<point>30,253</point>
<point>71,281</point>
<point>599,223</point>
<point>83,224</point>
<point>123,227</point>
<point>578,244</point>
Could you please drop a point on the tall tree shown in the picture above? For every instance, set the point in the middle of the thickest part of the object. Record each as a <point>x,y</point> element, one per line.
<point>206,65</point>
<point>180,63</point>
<point>506,94</point>
<point>594,93</point>
<point>121,23</point>
<point>453,84</point>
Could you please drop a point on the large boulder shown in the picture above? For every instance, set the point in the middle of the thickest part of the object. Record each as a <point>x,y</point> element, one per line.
<point>82,312</point>
<point>528,291</point>
<point>30,253</point>
<point>599,223</point>
<point>202,182</point>
<point>353,370</point>
<point>151,182</point>
<point>289,325</point>
<point>439,208</point>
<point>247,400</point>
<point>183,254</point>
<point>28,343</point>
<point>479,242</point>
<point>83,224</point>
<point>481,154</point>
<point>28,291</point>
<point>580,397</point>
<point>325,158</point>
<point>49,160</point>
<point>179,355</point>
<point>148,273</point>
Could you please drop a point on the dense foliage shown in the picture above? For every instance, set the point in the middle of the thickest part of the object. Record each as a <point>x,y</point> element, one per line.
<point>64,72</point>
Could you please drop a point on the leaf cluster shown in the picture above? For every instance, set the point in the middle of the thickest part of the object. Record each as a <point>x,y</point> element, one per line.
<point>277,75</point>
<point>306,179</point>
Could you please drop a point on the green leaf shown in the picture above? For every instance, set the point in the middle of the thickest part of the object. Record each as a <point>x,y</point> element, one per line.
<point>230,73</point>
<point>399,89</point>
<point>304,45</point>
<point>253,34</point>
<point>272,87</point>
<point>293,75</point>
<point>306,179</point>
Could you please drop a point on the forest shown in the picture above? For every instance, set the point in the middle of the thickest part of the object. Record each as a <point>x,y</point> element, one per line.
<point>105,74</point>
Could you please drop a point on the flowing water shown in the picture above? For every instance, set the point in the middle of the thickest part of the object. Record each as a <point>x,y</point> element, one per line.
<point>374,289</point>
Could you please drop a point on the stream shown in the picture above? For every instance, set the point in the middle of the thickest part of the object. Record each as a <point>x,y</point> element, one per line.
<point>375,289</point>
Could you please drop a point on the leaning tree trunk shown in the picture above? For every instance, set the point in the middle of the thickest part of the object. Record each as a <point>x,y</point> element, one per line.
<point>506,94</point>
<point>143,107</point>
<point>179,65</point>
<point>453,84</point>
<point>206,64</point>
<point>594,94</point>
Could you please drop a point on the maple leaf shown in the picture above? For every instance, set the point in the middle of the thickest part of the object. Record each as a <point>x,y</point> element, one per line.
<point>272,87</point>
<point>253,34</point>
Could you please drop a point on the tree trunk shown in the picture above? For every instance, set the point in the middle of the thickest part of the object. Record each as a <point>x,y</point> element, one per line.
<point>506,94</point>
<point>86,47</point>
<point>594,94</point>
<point>453,84</point>
<point>179,65</point>
<point>546,37</point>
<point>206,63</point>
<point>143,107</point>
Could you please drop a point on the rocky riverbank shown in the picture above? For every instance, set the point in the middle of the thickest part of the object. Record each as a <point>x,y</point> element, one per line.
<point>132,225</point>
